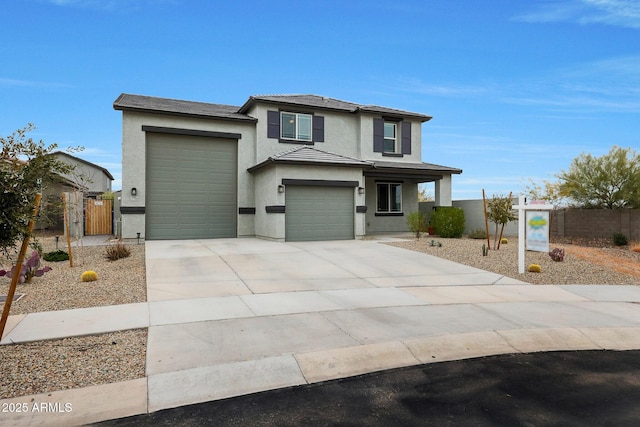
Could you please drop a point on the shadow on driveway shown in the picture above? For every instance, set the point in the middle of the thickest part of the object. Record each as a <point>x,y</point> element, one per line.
<point>556,388</point>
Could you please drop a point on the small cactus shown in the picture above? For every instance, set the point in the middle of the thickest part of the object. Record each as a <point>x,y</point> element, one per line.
<point>485,250</point>
<point>535,268</point>
<point>89,276</point>
<point>504,241</point>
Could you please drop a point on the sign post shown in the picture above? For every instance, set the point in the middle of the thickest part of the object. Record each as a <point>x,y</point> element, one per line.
<point>533,228</point>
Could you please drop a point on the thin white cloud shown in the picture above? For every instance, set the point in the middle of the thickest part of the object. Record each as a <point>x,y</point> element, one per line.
<point>414,85</point>
<point>622,13</point>
<point>7,82</point>
<point>111,5</point>
<point>611,85</point>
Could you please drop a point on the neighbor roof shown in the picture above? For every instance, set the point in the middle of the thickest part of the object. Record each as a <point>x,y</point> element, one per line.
<point>311,156</point>
<point>78,159</point>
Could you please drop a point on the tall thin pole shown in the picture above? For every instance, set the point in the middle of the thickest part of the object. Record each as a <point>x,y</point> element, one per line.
<point>486,220</point>
<point>66,227</point>
<point>16,275</point>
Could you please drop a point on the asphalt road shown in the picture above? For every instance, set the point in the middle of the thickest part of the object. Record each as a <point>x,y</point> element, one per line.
<point>540,389</point>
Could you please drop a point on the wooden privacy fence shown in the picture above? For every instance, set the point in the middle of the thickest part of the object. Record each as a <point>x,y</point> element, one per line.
<point>98,217</point>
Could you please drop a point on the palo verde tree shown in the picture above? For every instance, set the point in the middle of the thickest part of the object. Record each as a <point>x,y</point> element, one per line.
<point>25,165</point>
<point>610,181</point>
<point>500,212</point>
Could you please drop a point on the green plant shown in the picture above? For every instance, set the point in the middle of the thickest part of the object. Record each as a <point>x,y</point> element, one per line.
<point>448,221</point>
<point>485,250</point>
<point>30,269</point>
<point>117,251</point>
<point>620,239</point>
<point>417,223</point>
<point>56,256</point>
<point>557,254</point>
<point>504,240</point>
<point>478,233</point>
<point>500,212</point>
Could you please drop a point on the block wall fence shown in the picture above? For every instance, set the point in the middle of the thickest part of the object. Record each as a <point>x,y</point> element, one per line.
<point>566,222</point>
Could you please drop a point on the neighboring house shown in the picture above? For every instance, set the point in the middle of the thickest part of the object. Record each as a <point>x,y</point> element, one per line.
<point>87,177</point>
<point>282,167</point>
<point>86,181</point>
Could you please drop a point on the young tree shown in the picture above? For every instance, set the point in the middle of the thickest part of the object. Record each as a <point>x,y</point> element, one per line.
<point>500,212</point>
<point>610,181</point>
<point>24,165</point>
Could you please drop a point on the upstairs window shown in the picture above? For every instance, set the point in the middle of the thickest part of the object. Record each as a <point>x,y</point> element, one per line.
<point>390,137</point>
<point>296,126</point>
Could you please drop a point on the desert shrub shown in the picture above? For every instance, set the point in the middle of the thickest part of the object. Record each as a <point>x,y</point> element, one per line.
<point>478,233</point>
<point>417,223</point>
<point>117,251</point>
<point>504,241</point>
<point>448,221</point>
<point>89,276</point>
<point>535,268</point>
<point>557,254</point>
<point>620,239</point>
<point>56,256</point>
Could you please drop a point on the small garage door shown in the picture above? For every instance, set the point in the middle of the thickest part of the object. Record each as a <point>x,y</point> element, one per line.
<point>191,187</point>
<point>319,213</point>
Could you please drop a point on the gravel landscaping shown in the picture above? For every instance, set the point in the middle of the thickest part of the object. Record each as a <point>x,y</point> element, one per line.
<point>46,366</point>
<point>594,262</point>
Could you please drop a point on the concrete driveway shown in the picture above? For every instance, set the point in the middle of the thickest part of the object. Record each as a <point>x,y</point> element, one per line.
<point>235,316</point>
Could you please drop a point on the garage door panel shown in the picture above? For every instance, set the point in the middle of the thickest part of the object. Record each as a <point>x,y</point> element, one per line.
<point>319,213</point>
<point>191,187</point>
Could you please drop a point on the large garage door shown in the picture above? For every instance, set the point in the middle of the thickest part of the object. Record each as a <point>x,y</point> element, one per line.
<point>191,187</point>
<point>319,213</point>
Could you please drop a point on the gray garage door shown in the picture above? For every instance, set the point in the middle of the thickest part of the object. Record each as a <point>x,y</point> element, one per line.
<point>191,187</point>
<point>319,213</point>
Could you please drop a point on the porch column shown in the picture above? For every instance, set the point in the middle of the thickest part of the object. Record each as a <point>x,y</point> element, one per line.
<point>443,191</point>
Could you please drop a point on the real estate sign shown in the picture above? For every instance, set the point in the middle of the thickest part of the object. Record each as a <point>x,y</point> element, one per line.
<point>537,231</point>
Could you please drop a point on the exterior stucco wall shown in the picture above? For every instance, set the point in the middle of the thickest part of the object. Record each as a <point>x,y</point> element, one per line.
<point>272,225</point>
<point>134,163</point>
<point>383,224</point>
<point>366,142</point>
<point>340,133</point>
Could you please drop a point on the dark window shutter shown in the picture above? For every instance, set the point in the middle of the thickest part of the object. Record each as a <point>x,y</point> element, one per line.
<point>378,135</point>
<point>273,124</point>
<point>406,137</point>
<point>318,129</point>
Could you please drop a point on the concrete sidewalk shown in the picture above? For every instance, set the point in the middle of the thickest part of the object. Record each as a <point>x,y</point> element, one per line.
<point>235,316</point>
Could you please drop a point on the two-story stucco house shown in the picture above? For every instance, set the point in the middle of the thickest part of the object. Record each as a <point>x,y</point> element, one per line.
<point>282,167</point>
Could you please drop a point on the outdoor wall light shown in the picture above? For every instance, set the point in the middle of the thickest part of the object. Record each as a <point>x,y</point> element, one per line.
<point>360,190</point>
<point>280,188</point>
<point>134,191</point>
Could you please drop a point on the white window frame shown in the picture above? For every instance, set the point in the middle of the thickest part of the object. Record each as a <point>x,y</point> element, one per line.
<point>297,136</point>
<point>389,204</point>
<point>394,139</point>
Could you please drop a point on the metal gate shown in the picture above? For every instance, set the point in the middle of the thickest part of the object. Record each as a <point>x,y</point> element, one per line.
<point>98,217</point>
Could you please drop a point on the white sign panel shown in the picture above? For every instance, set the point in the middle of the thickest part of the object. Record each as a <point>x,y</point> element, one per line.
<point>537,231</point>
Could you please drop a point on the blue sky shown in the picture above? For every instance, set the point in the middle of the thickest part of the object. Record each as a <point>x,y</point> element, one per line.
<point>517,89</point>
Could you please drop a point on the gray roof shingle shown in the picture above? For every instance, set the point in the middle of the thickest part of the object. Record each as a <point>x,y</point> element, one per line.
<point>311,156</point>
<point>175,106</point>
<point>231,112</point>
